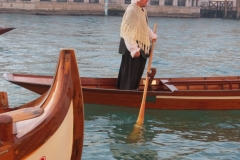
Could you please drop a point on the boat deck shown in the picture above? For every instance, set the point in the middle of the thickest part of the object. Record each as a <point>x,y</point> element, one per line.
<point>171,84</point>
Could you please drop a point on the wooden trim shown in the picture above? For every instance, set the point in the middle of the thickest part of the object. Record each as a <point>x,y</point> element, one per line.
<point>24,114</point>
<point>198,97</point>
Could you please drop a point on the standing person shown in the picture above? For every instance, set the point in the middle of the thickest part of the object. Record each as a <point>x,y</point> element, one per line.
<point>134,45</point>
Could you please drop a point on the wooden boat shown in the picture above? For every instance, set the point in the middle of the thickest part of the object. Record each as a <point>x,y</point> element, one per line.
<point>51,126</point>
<point>4,30</point>
<point>193,93</point>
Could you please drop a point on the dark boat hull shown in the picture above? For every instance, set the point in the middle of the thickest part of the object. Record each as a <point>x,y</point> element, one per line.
<point>4,30</point>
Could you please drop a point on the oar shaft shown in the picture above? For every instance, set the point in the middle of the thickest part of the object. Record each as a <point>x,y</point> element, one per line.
<point>140,119</point>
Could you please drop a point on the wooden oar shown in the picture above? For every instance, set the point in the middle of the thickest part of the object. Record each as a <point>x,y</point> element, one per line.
<point>142,109</point>
<point>136,133</point>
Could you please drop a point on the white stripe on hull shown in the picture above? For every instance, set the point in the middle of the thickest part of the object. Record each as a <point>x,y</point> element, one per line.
<point>59,146</point>
<point>198,97</point>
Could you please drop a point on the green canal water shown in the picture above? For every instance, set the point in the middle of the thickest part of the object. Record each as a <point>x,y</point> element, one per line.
<point>185,48</point>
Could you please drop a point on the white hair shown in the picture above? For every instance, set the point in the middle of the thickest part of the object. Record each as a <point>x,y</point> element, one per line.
<point>135,1</point>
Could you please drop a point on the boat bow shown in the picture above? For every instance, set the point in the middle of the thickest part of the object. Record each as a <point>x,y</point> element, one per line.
<point>4,30</point>
<point>57,131</point>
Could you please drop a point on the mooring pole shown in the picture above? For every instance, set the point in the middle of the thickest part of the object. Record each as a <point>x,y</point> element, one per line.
<point>238,8</point>
<point>226,6</point>
<point>106,7</point>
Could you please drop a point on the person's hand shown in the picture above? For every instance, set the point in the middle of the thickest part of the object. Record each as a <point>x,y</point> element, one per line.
<point>154,40</point>
<point>137,54</point>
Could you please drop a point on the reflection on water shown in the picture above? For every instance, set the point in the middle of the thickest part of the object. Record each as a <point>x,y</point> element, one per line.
<point>185,48</point>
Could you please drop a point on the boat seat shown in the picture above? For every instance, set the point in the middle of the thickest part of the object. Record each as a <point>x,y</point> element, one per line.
<point>24,113</point>
<point>171,87</point>
<point>8,120</point>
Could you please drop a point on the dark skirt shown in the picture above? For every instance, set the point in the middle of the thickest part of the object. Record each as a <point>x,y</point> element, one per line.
<point>130,72</point>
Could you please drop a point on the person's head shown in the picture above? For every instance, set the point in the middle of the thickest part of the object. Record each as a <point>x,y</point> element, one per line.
<point>142,3</point>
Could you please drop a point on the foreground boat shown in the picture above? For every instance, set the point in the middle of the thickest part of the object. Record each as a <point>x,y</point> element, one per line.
<point>50,127</point>
<point>196,93</point>
<point>4,30</point>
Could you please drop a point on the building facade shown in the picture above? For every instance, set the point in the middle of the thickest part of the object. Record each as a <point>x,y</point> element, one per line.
<point>162,8</point>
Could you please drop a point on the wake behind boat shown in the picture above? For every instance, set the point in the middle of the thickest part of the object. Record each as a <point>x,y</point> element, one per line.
<point>50,127</point>
<point>191,93</point>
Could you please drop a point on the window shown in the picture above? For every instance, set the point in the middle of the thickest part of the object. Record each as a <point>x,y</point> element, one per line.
<point>93,1</point>
<point>181,2</point>
<point>78,1</point>
<point>154,2</point>
<point>127,1</point>
<point>168,2</point>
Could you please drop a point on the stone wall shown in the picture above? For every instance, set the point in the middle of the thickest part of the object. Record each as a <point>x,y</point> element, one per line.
<point>85,8</point>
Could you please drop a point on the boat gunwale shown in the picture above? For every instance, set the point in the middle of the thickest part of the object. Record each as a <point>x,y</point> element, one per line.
<point>111,89</point>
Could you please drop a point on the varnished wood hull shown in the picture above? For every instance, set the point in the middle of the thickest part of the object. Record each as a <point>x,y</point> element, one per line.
<point>4,30</point>
<point>193,93</point>
<point>57,133</point>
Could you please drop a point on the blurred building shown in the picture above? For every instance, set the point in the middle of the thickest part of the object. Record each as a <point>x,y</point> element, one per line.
<point>162,8</point>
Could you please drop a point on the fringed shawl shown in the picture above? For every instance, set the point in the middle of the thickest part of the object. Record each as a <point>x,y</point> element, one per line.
<point>134,27</point>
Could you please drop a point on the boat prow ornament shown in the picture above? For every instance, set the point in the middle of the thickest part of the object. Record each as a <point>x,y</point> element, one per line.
<point>51,126</point>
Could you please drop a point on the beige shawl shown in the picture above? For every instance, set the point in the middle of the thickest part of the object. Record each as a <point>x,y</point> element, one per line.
<point>134,27</point>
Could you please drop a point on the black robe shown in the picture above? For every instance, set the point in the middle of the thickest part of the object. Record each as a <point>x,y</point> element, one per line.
<point>131,69</point>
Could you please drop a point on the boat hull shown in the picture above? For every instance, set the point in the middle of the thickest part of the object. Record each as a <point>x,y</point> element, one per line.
<point>4,30</point>
<point>220,95</point>
<point>168,101</point>
<point>51,126</point>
